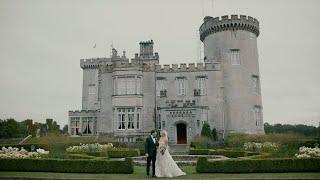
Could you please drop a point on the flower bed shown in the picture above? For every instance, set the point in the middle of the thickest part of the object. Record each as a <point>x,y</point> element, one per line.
<point>264,147</point>
<point>87,148</point>
<point>306,152</point>
<point>15,153</point>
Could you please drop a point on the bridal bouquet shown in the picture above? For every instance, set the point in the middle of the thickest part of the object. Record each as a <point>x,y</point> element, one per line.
<point>162,149</point>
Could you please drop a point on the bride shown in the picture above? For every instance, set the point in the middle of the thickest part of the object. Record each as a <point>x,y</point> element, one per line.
<point>165,165</point>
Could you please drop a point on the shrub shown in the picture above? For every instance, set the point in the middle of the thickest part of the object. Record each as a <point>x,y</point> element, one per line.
<point>214,134</point>
<point>98,154</point>
<point>258,165</point>
<point>80,156</point>
<point>203,142</point>
<point>206,131</point>
<point>122,152</point>
<point>198,151</point>
<point>257,156</point>
<point>67,165</point>
<point>231,153</point>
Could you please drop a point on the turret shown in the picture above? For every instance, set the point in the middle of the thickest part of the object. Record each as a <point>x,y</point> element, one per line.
<point>233,42</point>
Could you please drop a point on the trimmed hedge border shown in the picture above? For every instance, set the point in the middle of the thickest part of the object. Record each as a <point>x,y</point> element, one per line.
<point>231,153</point>
<point>122,152</point>
<point>258,165</point>
<point>222,152</point>
<point>68,165</point>
<point>199,151</point>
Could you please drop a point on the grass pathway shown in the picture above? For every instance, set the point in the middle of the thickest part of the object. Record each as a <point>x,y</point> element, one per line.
<point>139,173</point>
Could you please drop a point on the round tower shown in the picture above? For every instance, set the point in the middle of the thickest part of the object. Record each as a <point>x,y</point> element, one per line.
<point>233,42</point>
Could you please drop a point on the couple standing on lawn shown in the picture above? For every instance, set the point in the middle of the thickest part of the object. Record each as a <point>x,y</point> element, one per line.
<point>157,152</point>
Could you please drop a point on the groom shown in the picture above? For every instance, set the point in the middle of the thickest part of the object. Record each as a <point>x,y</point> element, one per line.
<point>151,151</point>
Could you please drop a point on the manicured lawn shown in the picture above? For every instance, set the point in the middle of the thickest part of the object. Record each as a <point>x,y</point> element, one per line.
<point>139,173</point>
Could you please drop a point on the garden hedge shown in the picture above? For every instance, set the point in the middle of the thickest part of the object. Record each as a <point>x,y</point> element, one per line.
<point>258,165</point>
<point>231,153</point>
<point>123,152</point>
<point>222,152</point>
<point>199,151</point>
<point>67,165</point>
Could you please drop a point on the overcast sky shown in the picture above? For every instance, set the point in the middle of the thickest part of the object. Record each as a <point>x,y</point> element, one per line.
<point>42,42</point>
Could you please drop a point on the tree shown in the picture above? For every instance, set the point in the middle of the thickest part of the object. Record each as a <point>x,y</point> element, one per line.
<point>288,128</point>
<point>65,129</point>
<point>206,131</point>
<point>214,134</point>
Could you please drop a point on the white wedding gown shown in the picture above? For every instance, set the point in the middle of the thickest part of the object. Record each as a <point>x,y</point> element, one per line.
<point>165,165</point>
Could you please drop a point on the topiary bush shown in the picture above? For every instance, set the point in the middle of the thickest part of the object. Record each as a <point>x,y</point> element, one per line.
<point>258,165</point>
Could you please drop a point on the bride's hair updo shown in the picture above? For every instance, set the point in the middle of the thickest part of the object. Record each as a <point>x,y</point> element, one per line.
<point>164,136</point>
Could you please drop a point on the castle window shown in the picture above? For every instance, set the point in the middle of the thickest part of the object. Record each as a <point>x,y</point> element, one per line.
<point>257,115</point>
<point>235,56</point>
<point>121,118</point>
<point>130,118</point>
<point>127,85</point>
<point>163,124</point>
<point>160,87</point>
<point>75,125</point>
<point>138,85</point>
<point>87,125</point>
<point>180,86</point>
<point>256,84</point>
<point>201,86</point>
<point>198,123</point>
<point>138,117</point>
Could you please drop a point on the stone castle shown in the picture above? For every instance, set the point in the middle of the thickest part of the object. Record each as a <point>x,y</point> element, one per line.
<point>127,99</point>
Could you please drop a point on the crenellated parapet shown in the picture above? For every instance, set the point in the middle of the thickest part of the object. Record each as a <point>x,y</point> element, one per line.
<point>93,63</point>
<point>234,22</point>
<point>191,67</point>
<point>83,113</point>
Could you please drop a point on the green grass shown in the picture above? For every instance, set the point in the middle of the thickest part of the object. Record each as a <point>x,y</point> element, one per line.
<point>139,173</point>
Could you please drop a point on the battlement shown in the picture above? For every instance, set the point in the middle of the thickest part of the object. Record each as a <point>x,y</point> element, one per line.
<point>191,67</point>
<point>83,112</point>
<point>93,63</point>
<point>226,23</point>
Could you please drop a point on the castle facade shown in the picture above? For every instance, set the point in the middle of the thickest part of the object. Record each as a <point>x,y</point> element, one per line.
<point>127,99</point>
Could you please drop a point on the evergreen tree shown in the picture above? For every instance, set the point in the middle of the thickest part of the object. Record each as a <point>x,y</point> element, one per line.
<point>214,134</point>
<point>65,129</point>
<point>206,131</point>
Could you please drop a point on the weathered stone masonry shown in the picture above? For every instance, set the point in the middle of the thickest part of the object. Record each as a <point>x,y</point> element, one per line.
<point>127,99</point>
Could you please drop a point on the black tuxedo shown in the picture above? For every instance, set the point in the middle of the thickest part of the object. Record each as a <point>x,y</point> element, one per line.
<point>151,149</point>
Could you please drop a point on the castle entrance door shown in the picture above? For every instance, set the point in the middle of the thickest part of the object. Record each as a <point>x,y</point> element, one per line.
<point>181,134</point>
